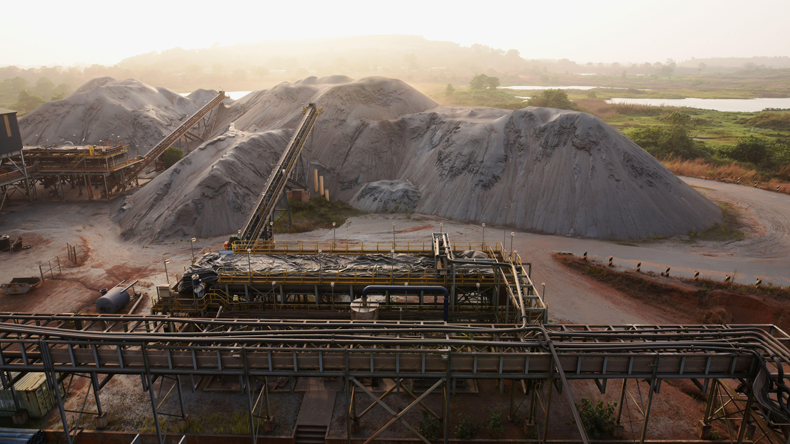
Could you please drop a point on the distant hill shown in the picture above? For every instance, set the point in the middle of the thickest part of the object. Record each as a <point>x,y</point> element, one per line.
<point>333,54</point>
<point>739,62</point>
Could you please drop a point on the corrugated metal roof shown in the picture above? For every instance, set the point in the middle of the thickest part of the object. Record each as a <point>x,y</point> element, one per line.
<point>30,382</point>
<point>6,111</point>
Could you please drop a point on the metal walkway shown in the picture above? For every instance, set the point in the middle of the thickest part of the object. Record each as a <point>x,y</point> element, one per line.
<point>157,347</point>
<point>256,226</point>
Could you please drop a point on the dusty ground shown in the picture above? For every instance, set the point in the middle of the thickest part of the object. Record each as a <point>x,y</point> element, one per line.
<point>104,259</point>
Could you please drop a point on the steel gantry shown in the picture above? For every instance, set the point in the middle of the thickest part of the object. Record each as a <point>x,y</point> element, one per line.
<point>158,346</point>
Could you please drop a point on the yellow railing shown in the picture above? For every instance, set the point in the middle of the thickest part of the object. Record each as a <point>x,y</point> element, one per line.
<point>330,247</point>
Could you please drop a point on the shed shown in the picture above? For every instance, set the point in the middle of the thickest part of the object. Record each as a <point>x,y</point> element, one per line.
<point>10,138</point>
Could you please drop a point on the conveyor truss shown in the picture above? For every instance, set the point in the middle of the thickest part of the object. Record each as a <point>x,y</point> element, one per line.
<point>259,223</point>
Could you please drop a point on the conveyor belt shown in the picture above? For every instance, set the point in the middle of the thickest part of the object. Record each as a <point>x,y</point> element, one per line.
<point>179,132</point>
<point>256,226</point>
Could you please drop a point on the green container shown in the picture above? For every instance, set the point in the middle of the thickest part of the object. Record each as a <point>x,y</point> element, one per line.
<point>33,394</point>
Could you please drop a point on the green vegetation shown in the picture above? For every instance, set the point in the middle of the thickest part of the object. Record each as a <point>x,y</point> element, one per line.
<point>429,426</point>
<point>598,419</point>
<point>481,97</point>
<point>727,230</point>
<point>315,213</point>
<point>482,81</point>
<point>673,140</point>
<point>777,121</point>
<point>553,98</point>
<point>27,101</point>
<point>495,426</point>
<point>19,94</point>
<point>171,156</point>
<point>466,428</point>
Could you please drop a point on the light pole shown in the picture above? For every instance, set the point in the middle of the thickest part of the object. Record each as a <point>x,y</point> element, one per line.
<point>483,247</point>
<point>167,275</point>
<point>543,293</point>
<point>333,235</point>
<point>393,237</point>
<point>332,284</point>
<point>192,246</point>
<point>504,230</point>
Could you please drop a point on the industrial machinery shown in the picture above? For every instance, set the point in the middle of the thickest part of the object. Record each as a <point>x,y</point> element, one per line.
<point>436,314</point>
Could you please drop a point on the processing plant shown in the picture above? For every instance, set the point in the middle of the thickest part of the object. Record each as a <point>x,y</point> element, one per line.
<point>432,314</point>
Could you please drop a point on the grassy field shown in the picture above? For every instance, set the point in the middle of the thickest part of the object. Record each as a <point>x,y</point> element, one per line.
<point>712,127</point>
<point>314,214</point>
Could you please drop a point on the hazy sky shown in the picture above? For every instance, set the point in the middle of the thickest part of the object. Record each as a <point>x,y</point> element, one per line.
<point>68,32</point>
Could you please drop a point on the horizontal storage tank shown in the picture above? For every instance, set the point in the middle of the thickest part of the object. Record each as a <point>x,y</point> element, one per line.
<point>34,396</point>
<point>114,300</point>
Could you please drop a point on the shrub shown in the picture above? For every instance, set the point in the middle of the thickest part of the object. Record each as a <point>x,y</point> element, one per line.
<point>171,156</point>
<point>749,149</point>
<point>429,427</point>
<point>771,120</point>
<point>597,419</point>
<point>495,426</point>
<point>671,141</point>
<point>553,98</point>
<point>466,428</point>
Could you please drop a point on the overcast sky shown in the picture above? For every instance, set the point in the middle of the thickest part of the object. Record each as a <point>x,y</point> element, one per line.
<point>65,33</point>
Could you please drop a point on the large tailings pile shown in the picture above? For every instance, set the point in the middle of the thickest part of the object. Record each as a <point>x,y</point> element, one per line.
<point>559,172</point>
<point>209,192</point>
<point>105,108</point>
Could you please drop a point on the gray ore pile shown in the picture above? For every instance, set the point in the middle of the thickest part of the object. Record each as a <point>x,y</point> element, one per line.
<point>383,146</point>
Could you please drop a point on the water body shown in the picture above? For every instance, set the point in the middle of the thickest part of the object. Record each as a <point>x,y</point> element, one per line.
<point>533,87</point>
<point>729,105</point>
<point>235,95</point>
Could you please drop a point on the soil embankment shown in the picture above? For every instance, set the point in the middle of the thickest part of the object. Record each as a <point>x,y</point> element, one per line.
<point>703,302</point>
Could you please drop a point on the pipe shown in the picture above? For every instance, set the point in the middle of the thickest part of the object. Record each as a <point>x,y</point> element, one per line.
<point>427,288</point>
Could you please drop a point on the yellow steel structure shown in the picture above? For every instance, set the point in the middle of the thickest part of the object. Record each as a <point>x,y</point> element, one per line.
<point>502,278</point>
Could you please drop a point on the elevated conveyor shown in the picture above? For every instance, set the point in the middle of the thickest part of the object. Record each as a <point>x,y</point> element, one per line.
<point>178,133</point>
<point>256,226</point>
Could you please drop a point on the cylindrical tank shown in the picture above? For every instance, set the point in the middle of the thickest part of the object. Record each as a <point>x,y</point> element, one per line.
<point>364,311</point>
<point>115,299</point>
<point>5,243</point>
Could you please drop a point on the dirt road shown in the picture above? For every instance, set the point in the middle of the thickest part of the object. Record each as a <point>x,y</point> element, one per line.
<point>105,258</point>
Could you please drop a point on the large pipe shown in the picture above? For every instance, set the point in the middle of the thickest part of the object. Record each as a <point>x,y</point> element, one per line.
<point>427,288</point>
